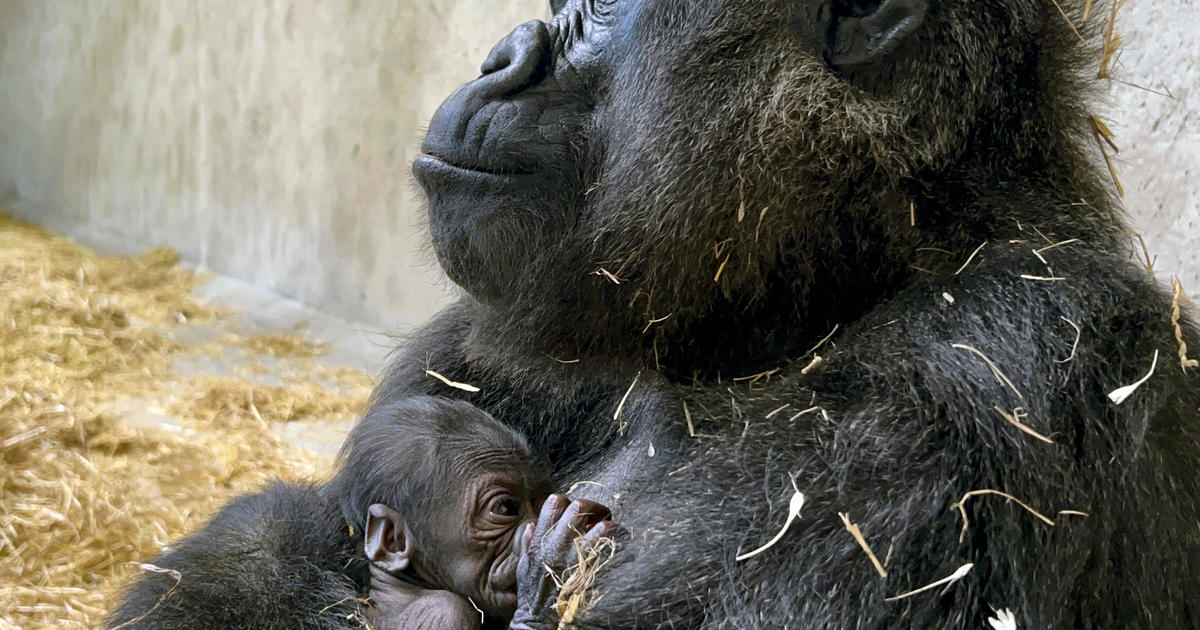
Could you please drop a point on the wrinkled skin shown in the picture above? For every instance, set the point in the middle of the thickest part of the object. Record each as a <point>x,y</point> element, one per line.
<point>464,571</point>
<point>475,550</point>
<point>470,546</point>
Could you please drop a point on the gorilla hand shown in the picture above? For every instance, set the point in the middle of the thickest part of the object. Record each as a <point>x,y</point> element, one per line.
<point>548,549</point>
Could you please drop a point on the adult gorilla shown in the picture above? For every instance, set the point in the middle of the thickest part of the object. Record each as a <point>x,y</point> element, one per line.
<point>658,208</point>
<point>699,192</point>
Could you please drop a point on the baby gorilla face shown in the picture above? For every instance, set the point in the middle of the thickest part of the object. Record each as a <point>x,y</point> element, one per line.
<point>477,544</point>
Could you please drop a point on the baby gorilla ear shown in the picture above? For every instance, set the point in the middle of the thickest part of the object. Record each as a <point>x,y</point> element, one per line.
<point>387,542</point>
<point>865,31</point>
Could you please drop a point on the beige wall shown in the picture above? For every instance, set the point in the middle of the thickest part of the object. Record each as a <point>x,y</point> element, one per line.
<point>270,139</point>
<point>1159,135</point>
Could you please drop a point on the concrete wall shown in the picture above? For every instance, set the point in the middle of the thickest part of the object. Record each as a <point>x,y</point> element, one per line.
<point>270,139</point>
<point>267,139</point>
<point>1159,135</point>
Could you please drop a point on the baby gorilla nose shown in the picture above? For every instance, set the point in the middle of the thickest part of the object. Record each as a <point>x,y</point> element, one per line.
<point>518,61</point>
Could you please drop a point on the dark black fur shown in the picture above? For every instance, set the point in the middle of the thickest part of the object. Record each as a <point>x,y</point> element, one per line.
<point>282,558</point>
<point>748,170</point>
<point>911,428</point>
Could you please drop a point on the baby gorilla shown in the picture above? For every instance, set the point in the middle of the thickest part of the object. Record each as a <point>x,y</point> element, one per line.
<point>446,498</point>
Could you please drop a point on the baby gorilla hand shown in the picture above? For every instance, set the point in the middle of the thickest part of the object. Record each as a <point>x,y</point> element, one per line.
<point>549,547</point>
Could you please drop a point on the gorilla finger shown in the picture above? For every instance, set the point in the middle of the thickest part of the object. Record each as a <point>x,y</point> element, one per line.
<point>552,509</point>
<point>527,537</point>
<point>593,512</point>
<point>603,529</point>
<point>573,524</point>
<point>525,540</point>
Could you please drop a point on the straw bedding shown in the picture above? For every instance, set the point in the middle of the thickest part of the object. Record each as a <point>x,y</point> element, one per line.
<point>85,493</point>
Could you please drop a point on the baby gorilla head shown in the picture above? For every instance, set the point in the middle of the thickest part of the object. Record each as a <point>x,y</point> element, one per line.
<point>440,492</point>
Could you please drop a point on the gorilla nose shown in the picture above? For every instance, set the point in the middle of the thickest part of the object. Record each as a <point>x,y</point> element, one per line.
<point>518,61</point>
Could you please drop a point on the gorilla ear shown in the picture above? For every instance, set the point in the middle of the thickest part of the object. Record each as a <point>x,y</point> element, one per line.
<point>864,31</point>
<point>387,542</point>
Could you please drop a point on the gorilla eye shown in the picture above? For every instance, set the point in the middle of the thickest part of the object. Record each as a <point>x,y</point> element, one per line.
<point>603,7</point>
<point>505,506</point>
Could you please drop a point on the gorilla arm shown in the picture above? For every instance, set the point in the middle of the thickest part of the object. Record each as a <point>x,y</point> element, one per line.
<point>276,559</point>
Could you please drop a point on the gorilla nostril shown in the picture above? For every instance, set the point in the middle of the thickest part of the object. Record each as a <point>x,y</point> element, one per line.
<point>517,60</point>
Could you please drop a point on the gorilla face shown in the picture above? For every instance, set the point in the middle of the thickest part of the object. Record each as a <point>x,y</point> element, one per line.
<point>505,159</point>
<point>692,151</point>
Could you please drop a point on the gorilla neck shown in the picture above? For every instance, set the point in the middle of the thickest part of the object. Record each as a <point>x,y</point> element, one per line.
<point>831,279</point>
<point>813,287</point>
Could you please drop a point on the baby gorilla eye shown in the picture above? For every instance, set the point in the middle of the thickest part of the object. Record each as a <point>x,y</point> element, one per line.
<point>505,506</point>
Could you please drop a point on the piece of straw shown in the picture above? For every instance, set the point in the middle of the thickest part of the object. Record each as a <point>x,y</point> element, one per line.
<point>721,269</point>
<point>962,510</point>
<point>1075,344</point>
<point>621,404</point>
<point>958,574</point>
<point>455,384</point>
<point>1000,376</point>
<point>862,542</point>
<point>574,590</point>
<point>794,506</point>
<point>1120,394</point>
<point>970,258</point>
<point>777,410</point>
<point>814,364</point>
<point>820,343</point>
<point>1013,420</point>
<point>1176,296</point>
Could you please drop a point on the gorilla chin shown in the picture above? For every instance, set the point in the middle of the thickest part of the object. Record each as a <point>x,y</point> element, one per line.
<point>471,209</point>
<point>497,158</point>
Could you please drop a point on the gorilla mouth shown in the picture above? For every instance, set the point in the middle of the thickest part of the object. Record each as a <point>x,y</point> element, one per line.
<point>431,163</point>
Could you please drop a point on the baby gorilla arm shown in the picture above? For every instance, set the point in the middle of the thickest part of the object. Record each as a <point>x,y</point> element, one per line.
<point>434,610</point>
<point>549,550</point>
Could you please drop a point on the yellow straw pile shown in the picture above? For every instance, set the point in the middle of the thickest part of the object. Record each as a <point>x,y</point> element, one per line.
<point>84,492</point>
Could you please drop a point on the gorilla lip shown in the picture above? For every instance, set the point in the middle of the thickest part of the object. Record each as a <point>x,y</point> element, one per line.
<point>427,162</point>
